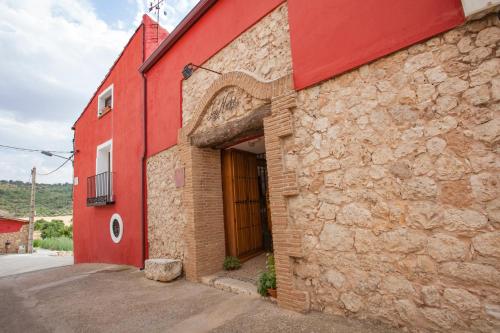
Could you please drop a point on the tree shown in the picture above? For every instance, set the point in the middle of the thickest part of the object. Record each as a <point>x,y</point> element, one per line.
<point>53,229</point>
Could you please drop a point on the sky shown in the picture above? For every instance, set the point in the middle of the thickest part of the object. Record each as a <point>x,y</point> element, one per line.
<point>53,55</point>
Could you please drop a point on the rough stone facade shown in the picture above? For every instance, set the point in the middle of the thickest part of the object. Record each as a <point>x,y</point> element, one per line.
<point>166,220</point>
<point>15,238</point>
<point>262,51</point>
<point>399,171</point>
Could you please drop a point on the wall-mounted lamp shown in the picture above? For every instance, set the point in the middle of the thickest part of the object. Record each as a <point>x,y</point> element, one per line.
<point>189,69</point>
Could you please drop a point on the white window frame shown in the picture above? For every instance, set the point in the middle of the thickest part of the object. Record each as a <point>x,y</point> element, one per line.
<point>109,91</point>
<point>102,146</point>
<point>117,217</point>
<point>108,145</point>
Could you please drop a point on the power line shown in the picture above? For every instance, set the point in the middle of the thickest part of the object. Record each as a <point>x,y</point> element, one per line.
<point>59,167</point>
<point>35,150</point>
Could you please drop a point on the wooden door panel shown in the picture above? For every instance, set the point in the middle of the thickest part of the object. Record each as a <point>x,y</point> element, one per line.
<point>241,192</point>
<point>228,199</point>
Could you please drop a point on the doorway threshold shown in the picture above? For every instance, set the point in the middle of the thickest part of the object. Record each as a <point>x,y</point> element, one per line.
<point>231,284</point>
<point>242,281</point>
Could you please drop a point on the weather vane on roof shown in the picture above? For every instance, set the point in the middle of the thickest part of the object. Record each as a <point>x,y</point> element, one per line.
<point>156,7</point>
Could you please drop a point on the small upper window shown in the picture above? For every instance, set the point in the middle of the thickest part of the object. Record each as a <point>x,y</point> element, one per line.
<point>105,101</point>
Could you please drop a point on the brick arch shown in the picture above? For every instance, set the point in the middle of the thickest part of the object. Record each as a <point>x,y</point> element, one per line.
<point>256,88</point>
<point>202,193</point>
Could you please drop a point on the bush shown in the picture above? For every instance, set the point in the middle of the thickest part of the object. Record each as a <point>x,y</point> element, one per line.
<point>56,244</point>
<point>231,263</point>
<point>53,229</point>
<point>40,224</point>
<point>267,280</point>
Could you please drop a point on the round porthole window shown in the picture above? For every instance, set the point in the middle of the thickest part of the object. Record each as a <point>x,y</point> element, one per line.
<point>116,228</point>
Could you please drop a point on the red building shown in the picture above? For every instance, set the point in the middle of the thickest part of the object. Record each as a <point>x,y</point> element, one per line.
<point>13,234</point>
<point>109,140</point>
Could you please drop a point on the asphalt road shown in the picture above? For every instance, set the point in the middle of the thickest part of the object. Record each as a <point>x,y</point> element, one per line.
<point>107,298</point>
<point>12,264</point>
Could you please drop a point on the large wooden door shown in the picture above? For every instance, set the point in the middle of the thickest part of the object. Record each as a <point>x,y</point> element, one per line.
<point>241,203</point>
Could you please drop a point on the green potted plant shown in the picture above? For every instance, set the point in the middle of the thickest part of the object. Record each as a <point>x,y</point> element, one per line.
<point>267,280</point>
<point>231,263</point>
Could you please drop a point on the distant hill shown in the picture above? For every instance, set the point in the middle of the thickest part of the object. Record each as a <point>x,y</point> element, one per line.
<point>51,199</point>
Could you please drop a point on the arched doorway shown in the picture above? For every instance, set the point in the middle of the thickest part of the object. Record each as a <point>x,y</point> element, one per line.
<point>239,106</point>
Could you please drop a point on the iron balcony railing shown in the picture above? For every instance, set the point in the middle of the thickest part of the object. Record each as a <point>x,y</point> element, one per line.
<point>100,189</point>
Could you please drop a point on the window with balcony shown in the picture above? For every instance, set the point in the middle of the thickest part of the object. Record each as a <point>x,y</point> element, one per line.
<point>100,185</point>
<point>105,101</point>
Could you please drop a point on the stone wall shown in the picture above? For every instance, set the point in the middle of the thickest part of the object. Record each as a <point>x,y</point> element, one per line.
<point>166,219</point>
<point>16,239</point>
<point>399,169</point>
<point>263,50</point>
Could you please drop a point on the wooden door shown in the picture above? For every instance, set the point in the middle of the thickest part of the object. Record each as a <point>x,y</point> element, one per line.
<point>241,203</point>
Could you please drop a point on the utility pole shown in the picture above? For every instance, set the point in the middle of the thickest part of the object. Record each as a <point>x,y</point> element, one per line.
<point>32,210</point>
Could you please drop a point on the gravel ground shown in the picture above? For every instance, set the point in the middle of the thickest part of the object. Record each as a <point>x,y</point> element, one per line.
<point>11,264</point>
<point>109,298</point>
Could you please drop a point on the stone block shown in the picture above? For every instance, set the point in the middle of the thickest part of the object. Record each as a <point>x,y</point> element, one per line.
<point>431,296</point>
<point>404,240</point>
<point>463,220</point>
<point>462,299</point>
<point>488,244</point>
<point>163,270</point>
<point>470,272</point>
<point>444,318</point>
<point>351,301</point>
<point>336,237</point>
<point>488,36</point>
<point>443,247</point>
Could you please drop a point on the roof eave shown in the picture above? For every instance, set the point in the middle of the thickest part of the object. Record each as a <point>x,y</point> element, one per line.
<point>194,15</point>
<point>14,219</point>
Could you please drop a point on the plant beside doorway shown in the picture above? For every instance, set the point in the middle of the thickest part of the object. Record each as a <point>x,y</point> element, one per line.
<point>231,263</point>
<point>267,280</point>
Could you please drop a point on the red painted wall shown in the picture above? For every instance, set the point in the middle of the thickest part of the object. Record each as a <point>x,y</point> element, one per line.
<point>8,225</point>
<point>329,37</point>
<point>225,21</point>
<point>92,240</point>
<point>152,34</point>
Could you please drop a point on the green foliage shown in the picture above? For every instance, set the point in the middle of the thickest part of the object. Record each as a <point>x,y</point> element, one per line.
<point>56,244</point>
<point>53,229</point>
<point>40,224</point>
<point>231,263</point>
<point>51,199</point>
<point>267,280</point>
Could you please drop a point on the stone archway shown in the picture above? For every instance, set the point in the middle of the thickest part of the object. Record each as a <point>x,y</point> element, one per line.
<point>272,106</point>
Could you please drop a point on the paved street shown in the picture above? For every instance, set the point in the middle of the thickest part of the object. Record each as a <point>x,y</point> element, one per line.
<point>109,298</point>
<point>12,264</point>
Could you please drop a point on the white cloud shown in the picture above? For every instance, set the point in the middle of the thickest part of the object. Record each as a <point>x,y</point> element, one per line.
<point>54,55</point>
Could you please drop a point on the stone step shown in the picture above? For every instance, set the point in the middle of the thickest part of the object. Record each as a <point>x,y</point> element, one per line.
<point>163,270</point>
<point>234,286</point>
